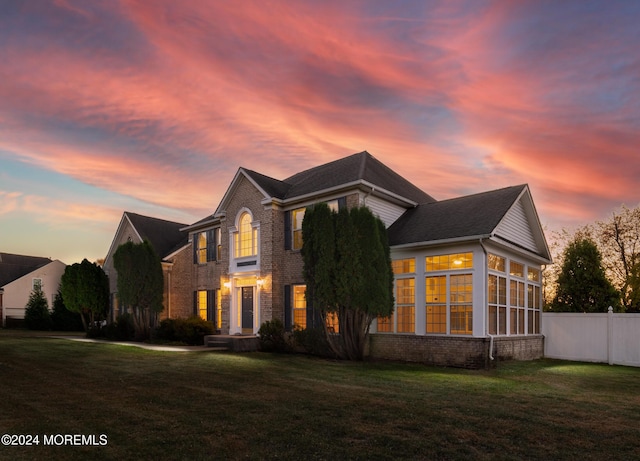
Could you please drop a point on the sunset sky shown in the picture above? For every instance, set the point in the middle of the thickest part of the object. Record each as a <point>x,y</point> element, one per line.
<point>151,106</point>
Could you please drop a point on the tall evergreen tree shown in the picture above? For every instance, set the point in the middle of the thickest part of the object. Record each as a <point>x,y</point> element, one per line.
<point>582,285</point>
<point>140,284</point>
<point>85,290</point>
<point>347,268</point>
<point>36,314</point>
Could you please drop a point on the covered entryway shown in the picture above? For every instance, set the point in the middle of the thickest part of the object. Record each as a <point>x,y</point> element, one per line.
<point>245,306</point>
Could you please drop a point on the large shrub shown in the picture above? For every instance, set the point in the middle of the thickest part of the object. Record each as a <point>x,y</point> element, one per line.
<point>36,314</point>
<point>188,331</point>
<point>62,318</point>
<point>313,341</point>
<point>272,336</point>
<point>121,330</point>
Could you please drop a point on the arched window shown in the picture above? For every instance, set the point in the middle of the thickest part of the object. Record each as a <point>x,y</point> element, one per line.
<point>247,237</point>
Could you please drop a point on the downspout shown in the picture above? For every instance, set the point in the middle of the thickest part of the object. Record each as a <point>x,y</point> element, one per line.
<point>486,303</point>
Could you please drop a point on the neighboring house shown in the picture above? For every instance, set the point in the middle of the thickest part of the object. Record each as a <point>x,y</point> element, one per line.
<point>468,271</point>
<point>20,275</point>
<point>171,244</point>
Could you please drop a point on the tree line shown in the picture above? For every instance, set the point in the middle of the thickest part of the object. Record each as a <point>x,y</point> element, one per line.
<point>84,292</point>
<point>598,266</point>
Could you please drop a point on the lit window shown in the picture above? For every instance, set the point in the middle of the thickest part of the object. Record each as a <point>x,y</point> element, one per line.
<point>496,263</point>
<point>385,324</point>
<point>403,318</point>
<point>516,269</point>
<point>219,244</point>
<point>333,325</point>
<point>405,305</point>
<point>297,216</point>
<point>455,293</point>
<point>404,266</point>
<point>218,309</point>
<point>202,248</point>
<point>449,262</point>
<point>202,304</point>
<point>246,240</point>
<point>436,304</point>
<point>461,292</point>
<point>299,306</point>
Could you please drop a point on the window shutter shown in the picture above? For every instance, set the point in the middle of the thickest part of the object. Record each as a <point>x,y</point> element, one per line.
<point>211,245</point>
<point>312,315</point>
<point>211,306</point>
<point>194,243</point>
<point>287,230</point>
<point>342,203</point>
<point>287,307</point>
<point>195,303</point>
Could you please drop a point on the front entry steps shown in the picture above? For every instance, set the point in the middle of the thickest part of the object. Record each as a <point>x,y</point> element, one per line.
<point>234,343</point>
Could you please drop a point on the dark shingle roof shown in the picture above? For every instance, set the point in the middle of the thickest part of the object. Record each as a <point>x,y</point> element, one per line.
<point>13,266</point>
<point>164,236</point>
<point>273,187</point>
<point>361,166</point>
<point>472,215</point>
<point>357,167</point>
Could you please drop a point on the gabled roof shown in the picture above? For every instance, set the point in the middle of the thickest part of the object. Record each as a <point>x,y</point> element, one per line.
<point>13,266</point>
<point>465,218</point>
<point>164,236</point>
<point>357,167</point>
<point>361,168</point>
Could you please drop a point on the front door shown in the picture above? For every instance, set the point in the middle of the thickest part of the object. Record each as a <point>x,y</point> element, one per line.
<point>247,310</point>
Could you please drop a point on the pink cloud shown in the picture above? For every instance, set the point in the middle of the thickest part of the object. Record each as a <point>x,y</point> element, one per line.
<point>279,89</point>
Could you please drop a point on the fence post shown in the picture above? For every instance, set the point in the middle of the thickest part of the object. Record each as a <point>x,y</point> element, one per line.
<point>610,335</point>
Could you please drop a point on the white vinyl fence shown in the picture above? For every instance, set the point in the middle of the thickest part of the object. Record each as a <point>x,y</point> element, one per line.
<point>609,338</point>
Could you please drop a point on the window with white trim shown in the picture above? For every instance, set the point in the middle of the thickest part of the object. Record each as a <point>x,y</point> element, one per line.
<point>403,318</point>
<point>246,238</point>
<point>449,294</point>
<point>514,297</point>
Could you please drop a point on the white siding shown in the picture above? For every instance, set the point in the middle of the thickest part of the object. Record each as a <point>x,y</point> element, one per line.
<point>515,227</point>
<point>16,293</point>
<point>387,212</point>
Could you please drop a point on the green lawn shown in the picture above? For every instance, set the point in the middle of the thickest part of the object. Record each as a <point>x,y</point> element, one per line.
<point>204,405</point>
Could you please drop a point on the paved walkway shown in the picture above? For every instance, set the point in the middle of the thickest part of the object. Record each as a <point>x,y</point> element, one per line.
<point>152,347</point>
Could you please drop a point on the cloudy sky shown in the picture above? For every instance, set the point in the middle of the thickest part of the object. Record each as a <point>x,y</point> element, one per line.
<point>151,106</point>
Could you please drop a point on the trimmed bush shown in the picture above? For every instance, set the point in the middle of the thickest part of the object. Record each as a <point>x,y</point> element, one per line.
<point>189,331</point>
<point>272,337</point>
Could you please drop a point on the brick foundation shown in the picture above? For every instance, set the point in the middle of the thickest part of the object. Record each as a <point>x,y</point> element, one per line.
<point>453,351</point>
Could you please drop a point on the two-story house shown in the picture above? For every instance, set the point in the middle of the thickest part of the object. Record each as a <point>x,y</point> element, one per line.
<point>468,271</point>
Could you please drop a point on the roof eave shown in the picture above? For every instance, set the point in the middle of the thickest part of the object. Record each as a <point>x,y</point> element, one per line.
<point>441,242</point>
<point>336,189</point>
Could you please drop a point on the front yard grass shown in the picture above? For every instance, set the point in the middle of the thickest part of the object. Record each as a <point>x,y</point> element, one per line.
<point>204,405</point>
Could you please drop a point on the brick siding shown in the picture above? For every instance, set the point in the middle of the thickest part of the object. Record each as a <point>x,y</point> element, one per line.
<point>454,351</point>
